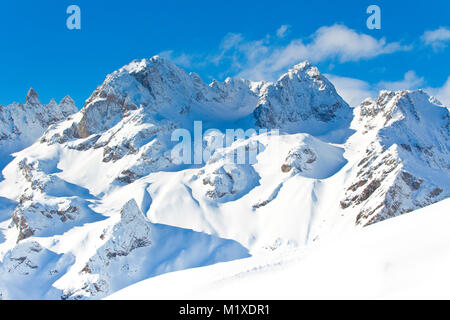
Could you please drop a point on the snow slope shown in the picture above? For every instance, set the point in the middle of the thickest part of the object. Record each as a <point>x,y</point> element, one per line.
<point>403,258</point>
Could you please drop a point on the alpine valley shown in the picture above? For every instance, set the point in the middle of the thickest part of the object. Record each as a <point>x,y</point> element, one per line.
<point>93,201</point>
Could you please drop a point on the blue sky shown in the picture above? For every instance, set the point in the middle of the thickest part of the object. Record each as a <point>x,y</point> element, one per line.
<point>224,38</point>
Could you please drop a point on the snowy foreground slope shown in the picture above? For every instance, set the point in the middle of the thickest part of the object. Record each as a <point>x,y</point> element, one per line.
<point>407,257</point>
<point>100,201</point>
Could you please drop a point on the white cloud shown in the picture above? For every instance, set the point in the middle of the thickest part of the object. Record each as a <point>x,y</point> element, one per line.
<point>348,45</point>
<point>282,31</point>
<point>442,93</point>
<point>267,59</point>
<point>409,82</point>
<point>437,38</point>
<point>263,60</point>
<point>184,60</point>
<point>236,51</point>
<point>354,91</point>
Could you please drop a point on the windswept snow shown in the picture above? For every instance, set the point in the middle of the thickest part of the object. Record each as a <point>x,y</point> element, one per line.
<point>403,258</point>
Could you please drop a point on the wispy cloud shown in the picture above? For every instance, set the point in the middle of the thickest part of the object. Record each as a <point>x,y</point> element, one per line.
<point>267,58</point>
<point>182,59</point>
<point>354,91</point>
<point>263,60</point>
<point>410,81</point>
<point>442,93</point>
<point>282,31</point>
<point>437,38</point>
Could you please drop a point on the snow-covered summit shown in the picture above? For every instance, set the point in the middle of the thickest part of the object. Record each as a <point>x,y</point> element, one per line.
<point>302,99</point>
<point>414,121</point>
<point>133,113</point>
<point>159,89</point>
<point>162,90</point>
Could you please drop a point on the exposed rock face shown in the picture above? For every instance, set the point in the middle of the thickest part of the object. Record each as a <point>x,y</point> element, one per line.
<point>31,260</point>
<point>33,218</point>
<point>46,204</point>
<point>299,159</point>
<point>24,259</point>
<point>406,165</point>
<point>32,98</point>
<point>22,124</point>
<point>228,180</point>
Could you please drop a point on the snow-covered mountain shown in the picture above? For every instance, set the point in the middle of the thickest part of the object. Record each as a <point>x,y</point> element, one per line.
<point>100,200</point>
<point>407,158</point>
<point>22,124</point>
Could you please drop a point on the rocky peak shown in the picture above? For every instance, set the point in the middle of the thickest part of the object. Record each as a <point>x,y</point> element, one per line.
<point>303,69</point>
<point>302,100</point>
<point>155,84</point>
<point>52,103</point>
<point>23,124</point>
<point>32,97</point>
<point>156,73</point>
<point>67,106</point>
<point>416,108</point>
<point>131,232</point>
<point>405,166</point>
<point>131,213</point>
<point>302,65</point>
<point>67,100</point>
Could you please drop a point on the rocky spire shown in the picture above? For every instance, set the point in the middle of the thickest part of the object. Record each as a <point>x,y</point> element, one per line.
<point>32,97</point>
<point>67,106</point>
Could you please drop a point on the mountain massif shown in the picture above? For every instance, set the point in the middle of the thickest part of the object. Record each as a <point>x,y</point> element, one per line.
<point>95,200</point>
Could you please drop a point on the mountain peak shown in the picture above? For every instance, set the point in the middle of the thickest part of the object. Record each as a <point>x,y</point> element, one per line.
<point>32,97</point>
<point>165,91</point>
<point>21,124</point>
<point>405,165</point>
<point>67,100</point>
<point>131,213</point>
<point>302,65</point>
<point>140,65</point>
<point>305,67</point>
<point>414,104</point>
<point>300,96</point>
<point>305,71</point>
